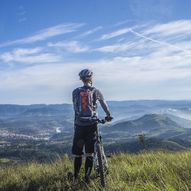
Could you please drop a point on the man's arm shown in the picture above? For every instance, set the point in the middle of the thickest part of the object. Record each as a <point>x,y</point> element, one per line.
<point>74,100</point>
<point>104,105</point>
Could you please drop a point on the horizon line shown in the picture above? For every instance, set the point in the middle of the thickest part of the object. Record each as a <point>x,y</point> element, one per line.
<point>70,103</point>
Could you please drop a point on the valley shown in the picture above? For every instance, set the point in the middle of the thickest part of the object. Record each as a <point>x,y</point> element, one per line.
<point>45,132</point>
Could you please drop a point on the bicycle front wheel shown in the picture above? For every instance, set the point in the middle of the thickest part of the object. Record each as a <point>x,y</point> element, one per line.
<point>101,165</point>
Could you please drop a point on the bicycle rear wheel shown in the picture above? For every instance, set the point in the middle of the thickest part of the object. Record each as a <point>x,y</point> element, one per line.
<point>101,165</point>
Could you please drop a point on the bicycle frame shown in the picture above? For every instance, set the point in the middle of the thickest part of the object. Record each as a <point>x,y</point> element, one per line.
<point>99,141</point>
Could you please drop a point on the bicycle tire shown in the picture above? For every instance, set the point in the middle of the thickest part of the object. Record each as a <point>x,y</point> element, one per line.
<point>101,166</point>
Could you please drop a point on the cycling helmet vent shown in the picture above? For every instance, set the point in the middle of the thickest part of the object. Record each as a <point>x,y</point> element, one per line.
<point>85,74</point>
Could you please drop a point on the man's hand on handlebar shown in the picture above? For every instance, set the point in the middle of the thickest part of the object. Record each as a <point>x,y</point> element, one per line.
<point>108,118</point>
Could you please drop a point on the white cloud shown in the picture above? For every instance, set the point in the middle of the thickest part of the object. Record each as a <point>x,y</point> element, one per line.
<point>148,41</point>
<point>45,34</point>
<point>54,83</point>
<point>49,83</point>
<point>27,51</point>
<point>29,56</point>
<point>115,48</point>
<point>158,41</point>
<point>114,34</point>
<point>90,31</point>
<point>171,28</point>
<point>71,46</point>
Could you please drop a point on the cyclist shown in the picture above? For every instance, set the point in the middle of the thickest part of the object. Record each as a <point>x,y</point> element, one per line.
<point>85,107</point>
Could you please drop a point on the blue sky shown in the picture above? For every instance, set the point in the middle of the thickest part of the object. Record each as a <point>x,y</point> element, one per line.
<point>137,49</point>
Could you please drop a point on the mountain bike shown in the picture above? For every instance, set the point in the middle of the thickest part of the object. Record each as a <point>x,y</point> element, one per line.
<point>100,160</point>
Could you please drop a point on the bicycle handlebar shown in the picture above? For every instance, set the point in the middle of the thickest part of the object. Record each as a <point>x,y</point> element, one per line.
<point>102,121</point>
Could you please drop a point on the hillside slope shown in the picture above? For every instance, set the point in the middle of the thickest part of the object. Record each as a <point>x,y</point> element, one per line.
<point>155,171</point>
<point>144,124</point>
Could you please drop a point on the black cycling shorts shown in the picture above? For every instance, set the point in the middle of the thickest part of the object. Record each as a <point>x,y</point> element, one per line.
<point>84,136</point>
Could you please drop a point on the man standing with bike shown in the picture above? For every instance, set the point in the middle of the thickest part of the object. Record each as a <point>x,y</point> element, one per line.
<point>85,107</point>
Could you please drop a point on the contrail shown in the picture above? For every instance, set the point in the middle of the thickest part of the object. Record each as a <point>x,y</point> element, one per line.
<point>157,41</point>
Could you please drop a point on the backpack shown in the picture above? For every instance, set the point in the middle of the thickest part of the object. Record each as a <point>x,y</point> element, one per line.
<point>85,104</point>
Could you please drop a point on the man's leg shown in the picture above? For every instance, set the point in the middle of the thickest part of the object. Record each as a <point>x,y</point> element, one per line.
<point>89,148</point>
<point>77,150</point>
<point>88,165</point>
<point>77,165</point>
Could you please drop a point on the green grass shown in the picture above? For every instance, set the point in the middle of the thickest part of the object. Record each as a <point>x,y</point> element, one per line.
<point>152,171</point>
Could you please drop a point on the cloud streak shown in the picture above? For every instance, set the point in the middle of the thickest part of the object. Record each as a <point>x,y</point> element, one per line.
<point>173,28</point>
<point>114,34</point>
<point>29,56</point>
<point>158,41</point>
<point>71,46</point>
<point>89,32</point>
<point>45,34</point>
<point>116,48</point>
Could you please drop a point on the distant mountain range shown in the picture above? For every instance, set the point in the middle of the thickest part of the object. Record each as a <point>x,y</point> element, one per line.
<point>155,118</point>
<point>47,130</point>
<point>44,116</point>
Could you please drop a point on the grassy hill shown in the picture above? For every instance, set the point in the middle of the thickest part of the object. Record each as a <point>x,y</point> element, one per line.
<point>153,171</point>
